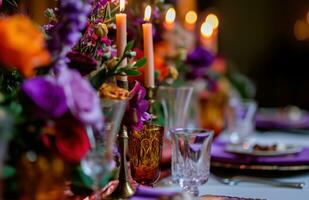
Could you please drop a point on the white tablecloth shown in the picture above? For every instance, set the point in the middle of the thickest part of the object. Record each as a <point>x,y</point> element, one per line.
<point>262,191</point>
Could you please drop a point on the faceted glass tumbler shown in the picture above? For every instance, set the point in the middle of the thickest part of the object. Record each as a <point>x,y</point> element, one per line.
<point>191,157</point>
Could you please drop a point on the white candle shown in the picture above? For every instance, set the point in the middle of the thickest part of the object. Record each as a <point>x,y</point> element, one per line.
<point>121,35</point>
<point>148,49</point>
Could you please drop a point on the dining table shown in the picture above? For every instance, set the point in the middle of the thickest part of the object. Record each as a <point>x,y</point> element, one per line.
<point>251,190</point>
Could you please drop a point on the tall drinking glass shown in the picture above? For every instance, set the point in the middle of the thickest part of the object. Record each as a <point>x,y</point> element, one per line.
<point>98,161</point>
<point>241,120</point>
<point>176,103</point>
<point>191,158</point>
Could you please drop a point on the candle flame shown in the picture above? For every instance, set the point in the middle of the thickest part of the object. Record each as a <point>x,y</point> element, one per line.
<point>147,13</point>
<point>206,30</point>
<point>213,20</point>
<point>170,16</point>
<point>191,17</point>
<point>122,4</point>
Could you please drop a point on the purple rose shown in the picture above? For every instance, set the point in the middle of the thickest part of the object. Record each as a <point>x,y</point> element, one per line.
<point>81,62</point>
<point>136,113</point>
<point>199,60</point>
<point>44,97</point>
<point>82,99</point>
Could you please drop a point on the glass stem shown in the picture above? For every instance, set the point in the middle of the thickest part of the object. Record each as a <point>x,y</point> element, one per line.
<point>193,190</point>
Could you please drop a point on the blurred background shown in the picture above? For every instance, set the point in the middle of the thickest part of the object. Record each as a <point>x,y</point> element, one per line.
<point>268,40</point>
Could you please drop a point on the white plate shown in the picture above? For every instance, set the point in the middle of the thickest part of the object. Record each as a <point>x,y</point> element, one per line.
<point>247,149</point>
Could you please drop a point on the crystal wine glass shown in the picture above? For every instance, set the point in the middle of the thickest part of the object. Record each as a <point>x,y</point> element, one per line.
<point>191,158</point>
<point>99,161</point>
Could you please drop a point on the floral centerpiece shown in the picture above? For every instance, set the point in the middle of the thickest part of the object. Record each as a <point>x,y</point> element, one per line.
<point>51,81</point>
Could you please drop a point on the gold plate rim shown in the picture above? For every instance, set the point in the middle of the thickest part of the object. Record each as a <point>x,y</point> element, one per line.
<point>260,167</point>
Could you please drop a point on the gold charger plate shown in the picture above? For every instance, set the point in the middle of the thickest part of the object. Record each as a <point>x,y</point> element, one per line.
<point>260,167</point>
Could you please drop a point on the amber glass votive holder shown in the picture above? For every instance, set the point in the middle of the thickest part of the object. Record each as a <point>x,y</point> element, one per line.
<point>145,148</point>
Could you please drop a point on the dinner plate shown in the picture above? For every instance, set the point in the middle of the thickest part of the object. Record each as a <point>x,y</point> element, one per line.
<point>263,149</point>
<point>256,167</point>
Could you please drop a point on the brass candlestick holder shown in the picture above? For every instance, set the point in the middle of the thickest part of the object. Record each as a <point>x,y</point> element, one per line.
<point>150,97</point>
<point>124,189</point>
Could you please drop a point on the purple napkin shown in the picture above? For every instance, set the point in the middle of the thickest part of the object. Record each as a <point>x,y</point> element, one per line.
<point>276,121</point>
<point>218,154</point>
<point>148,193</point>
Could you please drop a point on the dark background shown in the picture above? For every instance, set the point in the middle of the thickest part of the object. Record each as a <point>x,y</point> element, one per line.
<point>258,37</point>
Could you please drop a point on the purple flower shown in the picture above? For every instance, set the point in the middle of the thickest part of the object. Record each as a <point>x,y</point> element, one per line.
<point>199,60</point>
<point>72,19</point>
<point>82,99</point>
<point>51,97</point>
<point>81,62</point>
<point>44,97</point>
<point>136,113</point>
<point>99,4</point>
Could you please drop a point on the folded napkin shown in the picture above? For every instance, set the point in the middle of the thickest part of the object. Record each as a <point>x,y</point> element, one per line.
<point>275,120</point>
<point>149,193</point>
<point>219,154</point>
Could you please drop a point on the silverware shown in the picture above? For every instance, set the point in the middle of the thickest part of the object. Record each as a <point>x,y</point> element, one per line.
<point>235,180</point>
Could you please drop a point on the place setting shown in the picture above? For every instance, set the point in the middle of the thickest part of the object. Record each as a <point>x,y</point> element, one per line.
<point>262,156</point>
<point>153,100</point>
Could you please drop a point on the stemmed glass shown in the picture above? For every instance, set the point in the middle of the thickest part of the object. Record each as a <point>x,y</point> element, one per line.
<point>176,103</point>
<point>99,161</point>
<point>191,157</point>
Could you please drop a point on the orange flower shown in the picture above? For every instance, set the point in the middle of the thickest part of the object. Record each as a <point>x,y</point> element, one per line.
<point>22,45</point>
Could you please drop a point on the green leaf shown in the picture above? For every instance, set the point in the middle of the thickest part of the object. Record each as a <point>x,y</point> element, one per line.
<point>98,79</point>
<point>13,3</point>
<point>132,72</point>
<point>129,46</point>
<point>8,171</point>
<point>140,63</point>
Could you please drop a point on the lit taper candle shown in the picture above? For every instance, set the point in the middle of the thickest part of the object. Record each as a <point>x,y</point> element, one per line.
<point>170,17</point>
<point>148,49</point>
<point>121,39</point>
<point>121,24</point>
<point>209,33</point>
